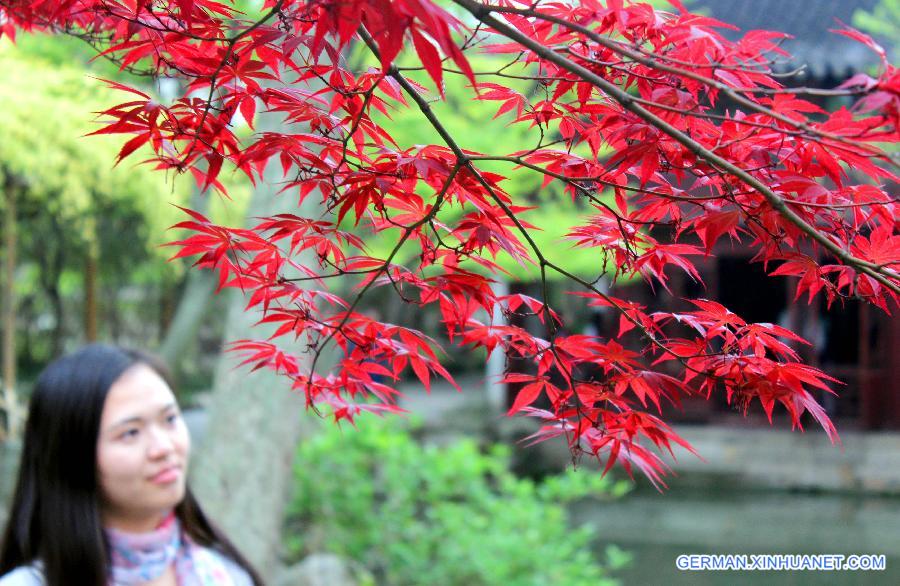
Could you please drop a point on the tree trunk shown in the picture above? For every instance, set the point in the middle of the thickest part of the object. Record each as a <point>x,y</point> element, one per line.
<point>243,471</point>
<point>90,293</point>
<point>10,401</point>
<point>189,313</point>
<point>192,305</point>
<point>243,467</point>
<point>51,255</point>
<point>56,344</point>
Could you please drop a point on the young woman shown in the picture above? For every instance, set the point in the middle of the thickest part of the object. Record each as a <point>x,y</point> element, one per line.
<point>101,498</point>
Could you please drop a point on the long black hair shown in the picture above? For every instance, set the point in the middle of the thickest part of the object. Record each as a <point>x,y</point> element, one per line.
<point>55,513</point>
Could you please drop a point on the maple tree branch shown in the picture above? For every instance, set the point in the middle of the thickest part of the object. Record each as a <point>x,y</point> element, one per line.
<point>574,181</point>
<point>696,113</point>
<point>421,102</point>
<point>800,90</point>
<point>474,6</point>
<point>467,160</point>
<point>388,261</point>
<point>795,91</point>
<point>630,106</point>
<point>229,50</point>
<point>482,13</point>
<point>426,110</point>
<point>544,264</point>
<point>464,160</point>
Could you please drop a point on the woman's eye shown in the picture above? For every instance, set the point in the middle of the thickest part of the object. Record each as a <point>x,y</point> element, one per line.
<point>130,433</point>
<point>171,418</point>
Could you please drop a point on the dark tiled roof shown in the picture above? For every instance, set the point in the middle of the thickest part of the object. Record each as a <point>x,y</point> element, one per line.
<point>824,54</point>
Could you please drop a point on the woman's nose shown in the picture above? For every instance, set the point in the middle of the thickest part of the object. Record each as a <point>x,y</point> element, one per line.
<point>161,442</point>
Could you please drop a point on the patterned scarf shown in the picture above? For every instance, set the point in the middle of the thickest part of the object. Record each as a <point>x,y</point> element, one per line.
<point>140,557</point>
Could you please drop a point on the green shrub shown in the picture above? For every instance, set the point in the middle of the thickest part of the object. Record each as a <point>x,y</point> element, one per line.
<point>440,516</point>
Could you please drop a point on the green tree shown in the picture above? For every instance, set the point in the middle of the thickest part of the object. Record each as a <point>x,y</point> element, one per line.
<point>883,21</point>
<point>71,208</point>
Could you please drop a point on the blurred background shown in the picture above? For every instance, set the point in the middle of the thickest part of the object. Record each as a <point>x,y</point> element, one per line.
<point>448,495</point>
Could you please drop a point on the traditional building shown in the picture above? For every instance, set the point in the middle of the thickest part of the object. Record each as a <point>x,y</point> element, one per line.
<point>820,58</point>
<point>852,341</point>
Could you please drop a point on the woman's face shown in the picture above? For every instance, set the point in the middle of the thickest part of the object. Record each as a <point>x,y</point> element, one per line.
<point>142,451</point>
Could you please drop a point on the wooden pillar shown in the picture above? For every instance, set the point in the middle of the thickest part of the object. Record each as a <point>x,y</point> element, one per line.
<point>868,403</point>
<point>892,365</point>
<point>496,364</point>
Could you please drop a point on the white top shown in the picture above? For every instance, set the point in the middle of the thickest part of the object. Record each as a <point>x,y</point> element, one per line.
<point>24,576</point>
<point>31,575</point>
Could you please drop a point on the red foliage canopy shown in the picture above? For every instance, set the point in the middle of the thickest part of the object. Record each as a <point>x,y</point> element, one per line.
<point>652,118</point>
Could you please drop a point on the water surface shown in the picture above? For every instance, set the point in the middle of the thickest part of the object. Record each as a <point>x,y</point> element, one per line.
<point>656,529</point>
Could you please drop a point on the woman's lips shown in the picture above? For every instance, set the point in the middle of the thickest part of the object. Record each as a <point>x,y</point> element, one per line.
<point>166,475</point>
